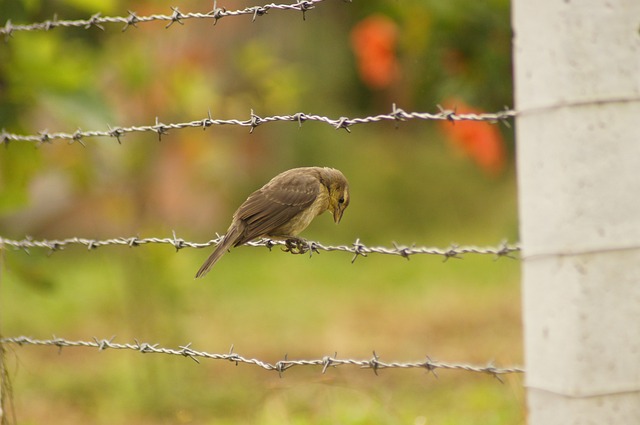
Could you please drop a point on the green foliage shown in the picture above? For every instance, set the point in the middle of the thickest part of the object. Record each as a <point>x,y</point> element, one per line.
<point>409,185</point>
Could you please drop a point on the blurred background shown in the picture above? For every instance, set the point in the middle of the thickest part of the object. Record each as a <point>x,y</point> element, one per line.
<point>428,183</point>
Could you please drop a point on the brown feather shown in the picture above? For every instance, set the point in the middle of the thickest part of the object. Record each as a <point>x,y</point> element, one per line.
<point>220,250</point>
<point>284,207</point>
<point>275,204</point>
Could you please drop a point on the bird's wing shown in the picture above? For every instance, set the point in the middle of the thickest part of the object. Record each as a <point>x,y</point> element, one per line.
<point>275,204</point>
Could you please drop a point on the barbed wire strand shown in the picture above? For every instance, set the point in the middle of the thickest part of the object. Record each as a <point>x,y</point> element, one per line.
<point>357,248</point>
<point>397,115</point>
<point>132,19</point>
<point>280,366</point>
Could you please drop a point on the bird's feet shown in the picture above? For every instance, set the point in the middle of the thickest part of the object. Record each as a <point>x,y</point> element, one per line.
<point>296,246</point>
<point>299,246</point>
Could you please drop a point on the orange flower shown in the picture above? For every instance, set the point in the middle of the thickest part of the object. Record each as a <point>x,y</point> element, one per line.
<point>373,41</point>
<point>481,141</point>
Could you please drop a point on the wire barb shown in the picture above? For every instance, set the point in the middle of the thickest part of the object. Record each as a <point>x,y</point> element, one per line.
<point>130,20</point>
<point>374,364</point>
<point>175,17</point>
<point>94,22</point>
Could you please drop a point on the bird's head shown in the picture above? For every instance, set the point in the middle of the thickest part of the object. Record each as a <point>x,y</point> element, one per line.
<point>338,194</point>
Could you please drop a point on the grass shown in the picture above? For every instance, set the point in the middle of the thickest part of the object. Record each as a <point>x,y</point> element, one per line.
<point>267,305</point>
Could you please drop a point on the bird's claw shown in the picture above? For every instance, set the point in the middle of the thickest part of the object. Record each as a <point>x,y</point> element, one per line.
<point>297,246</point>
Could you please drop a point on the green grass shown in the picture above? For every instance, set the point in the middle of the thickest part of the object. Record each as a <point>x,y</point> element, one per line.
<point>267,305</point>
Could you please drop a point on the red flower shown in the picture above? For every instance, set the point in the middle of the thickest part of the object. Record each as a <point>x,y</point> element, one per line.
<point>374,43</point>
<point>481,141</point>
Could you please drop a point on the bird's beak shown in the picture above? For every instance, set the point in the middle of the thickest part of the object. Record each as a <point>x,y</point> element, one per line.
<point>337,215</point>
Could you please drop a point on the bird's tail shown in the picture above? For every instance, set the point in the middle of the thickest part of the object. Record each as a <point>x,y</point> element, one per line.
<point>221,249</point>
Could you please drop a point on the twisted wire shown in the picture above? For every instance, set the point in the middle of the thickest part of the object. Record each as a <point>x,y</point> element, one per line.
<point>357,248</point>
<point>396,115</point>
<point>374,363</point>
<point>132,19</point>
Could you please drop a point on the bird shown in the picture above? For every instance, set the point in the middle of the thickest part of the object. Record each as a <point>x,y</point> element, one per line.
<point>283,208</point>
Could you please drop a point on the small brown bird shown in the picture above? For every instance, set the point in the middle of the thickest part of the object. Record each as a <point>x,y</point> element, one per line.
<point>284,207</point>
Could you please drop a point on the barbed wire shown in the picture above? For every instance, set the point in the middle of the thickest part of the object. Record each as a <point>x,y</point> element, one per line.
<point>280,366</point>
<point>357,248</point>
<point>397,115</point>
<point>132,19</point>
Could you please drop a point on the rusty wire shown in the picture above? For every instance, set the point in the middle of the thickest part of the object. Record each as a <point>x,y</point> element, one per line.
<point>396,115</point>
<point>132,19</point>
<point>357,248</point>
<point>374,363</point>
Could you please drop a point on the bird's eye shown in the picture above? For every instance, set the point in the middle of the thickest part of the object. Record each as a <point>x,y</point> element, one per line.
<point>341,201</point>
